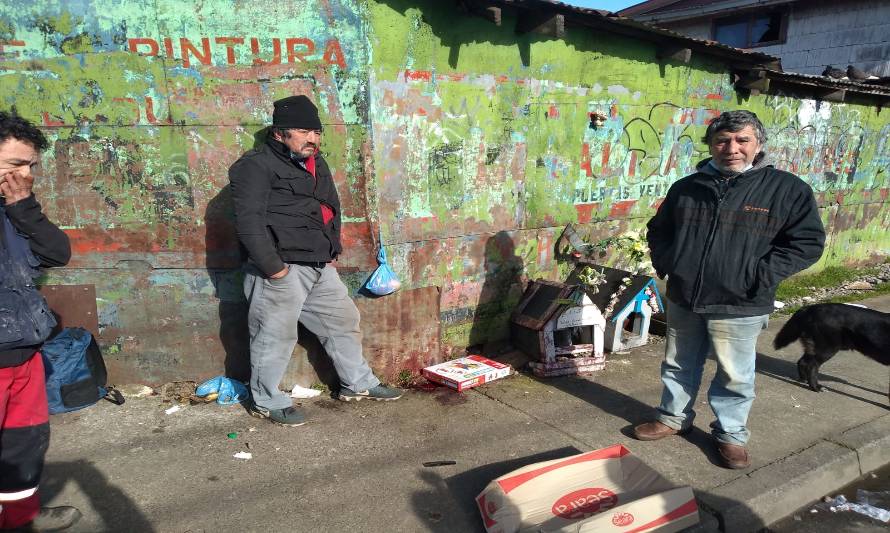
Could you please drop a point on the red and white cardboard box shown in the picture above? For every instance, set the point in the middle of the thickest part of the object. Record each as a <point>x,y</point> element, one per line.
<point>466,372</point>
<point>603,490</point>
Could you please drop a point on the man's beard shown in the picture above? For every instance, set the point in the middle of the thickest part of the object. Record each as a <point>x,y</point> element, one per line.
<point>301,155</point>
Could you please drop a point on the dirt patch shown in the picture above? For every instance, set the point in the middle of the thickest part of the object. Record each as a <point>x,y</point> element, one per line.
<point>330,405</point>
<point>449,397</point>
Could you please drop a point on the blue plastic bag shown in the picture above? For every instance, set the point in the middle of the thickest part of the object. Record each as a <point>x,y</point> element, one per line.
<point>383,281</point>
<point>230,391</point>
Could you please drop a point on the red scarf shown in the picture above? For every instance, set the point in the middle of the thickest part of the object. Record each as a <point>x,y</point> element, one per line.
<point>327,214</point>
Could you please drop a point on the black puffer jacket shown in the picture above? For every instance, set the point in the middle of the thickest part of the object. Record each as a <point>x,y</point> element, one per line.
<point>725,244</point>
<point>277,211</point>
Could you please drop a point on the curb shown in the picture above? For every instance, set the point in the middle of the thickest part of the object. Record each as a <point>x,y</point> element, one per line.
<point>708,523</point>
<point>871,441</point>
<point>768,494</point>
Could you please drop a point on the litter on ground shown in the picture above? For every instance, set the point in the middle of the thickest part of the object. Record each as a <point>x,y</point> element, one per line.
<point>303,392</point>
<point>862,506</point>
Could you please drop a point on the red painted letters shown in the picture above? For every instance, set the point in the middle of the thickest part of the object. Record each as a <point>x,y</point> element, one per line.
<point>298,49</point>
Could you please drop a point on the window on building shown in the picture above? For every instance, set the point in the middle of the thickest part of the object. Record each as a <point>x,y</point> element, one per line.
<point>751,30</point>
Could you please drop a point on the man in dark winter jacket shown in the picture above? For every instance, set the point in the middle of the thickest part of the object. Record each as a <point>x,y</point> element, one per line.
<point>27,241</point>
<point>725,237</point>
<point>287,215</point>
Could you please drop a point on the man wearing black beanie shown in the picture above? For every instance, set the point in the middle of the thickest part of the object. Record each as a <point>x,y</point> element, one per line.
<point>287,216</point>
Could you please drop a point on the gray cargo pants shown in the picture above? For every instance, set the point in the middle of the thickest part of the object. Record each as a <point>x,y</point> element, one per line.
<point>316,298</point>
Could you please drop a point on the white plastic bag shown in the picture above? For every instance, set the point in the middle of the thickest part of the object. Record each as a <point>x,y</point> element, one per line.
<point>303,392</point>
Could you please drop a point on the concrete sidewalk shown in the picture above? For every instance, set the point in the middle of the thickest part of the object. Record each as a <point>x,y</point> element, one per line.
<point>357,467</point>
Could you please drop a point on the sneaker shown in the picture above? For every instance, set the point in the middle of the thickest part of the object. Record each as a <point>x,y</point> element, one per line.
<point>53,519</point>
<point>379,393</point>
<point>289,416</point>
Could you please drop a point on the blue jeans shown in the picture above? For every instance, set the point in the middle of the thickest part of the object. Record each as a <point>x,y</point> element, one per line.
<point>317,298</point>
<point>690,337</point>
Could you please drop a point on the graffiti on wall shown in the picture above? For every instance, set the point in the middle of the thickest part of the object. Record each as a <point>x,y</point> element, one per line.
<point>297,49</point>
<point>819,142</point>
<point>465,150</point>
<point>147,108</point>
<point>470,156</point>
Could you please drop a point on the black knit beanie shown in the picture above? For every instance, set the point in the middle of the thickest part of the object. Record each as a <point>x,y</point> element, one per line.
<point>296,112</point>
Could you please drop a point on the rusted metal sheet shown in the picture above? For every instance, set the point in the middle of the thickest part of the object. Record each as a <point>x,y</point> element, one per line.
<point>73,306</point>
<point>401,331</point>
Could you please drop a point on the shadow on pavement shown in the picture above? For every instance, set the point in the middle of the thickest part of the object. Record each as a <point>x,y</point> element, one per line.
<point>630,409</point>
<point>782,370</point>
<point>117,511</point>
<point>448,504</point>
<point>731,516</point>
<point>598,395</point>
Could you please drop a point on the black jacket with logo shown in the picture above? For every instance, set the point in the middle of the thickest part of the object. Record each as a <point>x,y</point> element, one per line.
<point>277,211</point>
<point>725,244</point>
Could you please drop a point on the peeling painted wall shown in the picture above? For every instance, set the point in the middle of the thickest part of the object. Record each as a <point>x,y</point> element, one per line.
<point>146,105</point>
<point>467,144</point>
<point>483,150</point>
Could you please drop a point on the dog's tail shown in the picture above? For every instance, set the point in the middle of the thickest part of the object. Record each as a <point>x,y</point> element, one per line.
<point>790,332</point>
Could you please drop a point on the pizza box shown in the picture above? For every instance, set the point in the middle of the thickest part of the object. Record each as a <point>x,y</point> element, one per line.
<point>466,372</point>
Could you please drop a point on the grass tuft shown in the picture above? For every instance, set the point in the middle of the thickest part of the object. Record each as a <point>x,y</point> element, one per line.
<point>879,290</point>
<point>833,276</point>
<point>406,378</point>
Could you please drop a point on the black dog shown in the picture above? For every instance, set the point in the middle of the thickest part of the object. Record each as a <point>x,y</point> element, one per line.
<point>824,329</point>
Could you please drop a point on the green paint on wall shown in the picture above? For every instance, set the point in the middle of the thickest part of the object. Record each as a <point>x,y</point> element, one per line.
<point>79,44</point>
<point>471,130</point>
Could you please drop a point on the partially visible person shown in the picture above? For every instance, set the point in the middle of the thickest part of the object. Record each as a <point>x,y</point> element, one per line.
<point>28,241</point>
<point>725,237</point>
<point>287,216</point>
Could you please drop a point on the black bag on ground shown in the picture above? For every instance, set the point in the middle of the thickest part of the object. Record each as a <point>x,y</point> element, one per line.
<point>75,372</point>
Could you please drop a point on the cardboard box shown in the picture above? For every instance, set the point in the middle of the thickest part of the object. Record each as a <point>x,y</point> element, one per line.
<point>466,372</point>
<point>603,490</point>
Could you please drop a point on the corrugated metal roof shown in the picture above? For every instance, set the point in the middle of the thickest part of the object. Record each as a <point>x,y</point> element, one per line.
<point>649,7</point>
<point>828,83</point>
<point>618,21</point>
<point>685,4</point>
<point>579,9</point>
<point>745,59</point>
<point>655,7</point>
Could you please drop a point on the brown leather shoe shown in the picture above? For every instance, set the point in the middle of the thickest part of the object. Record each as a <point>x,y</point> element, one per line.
<point>656,430</point>
<point>733,455</point>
